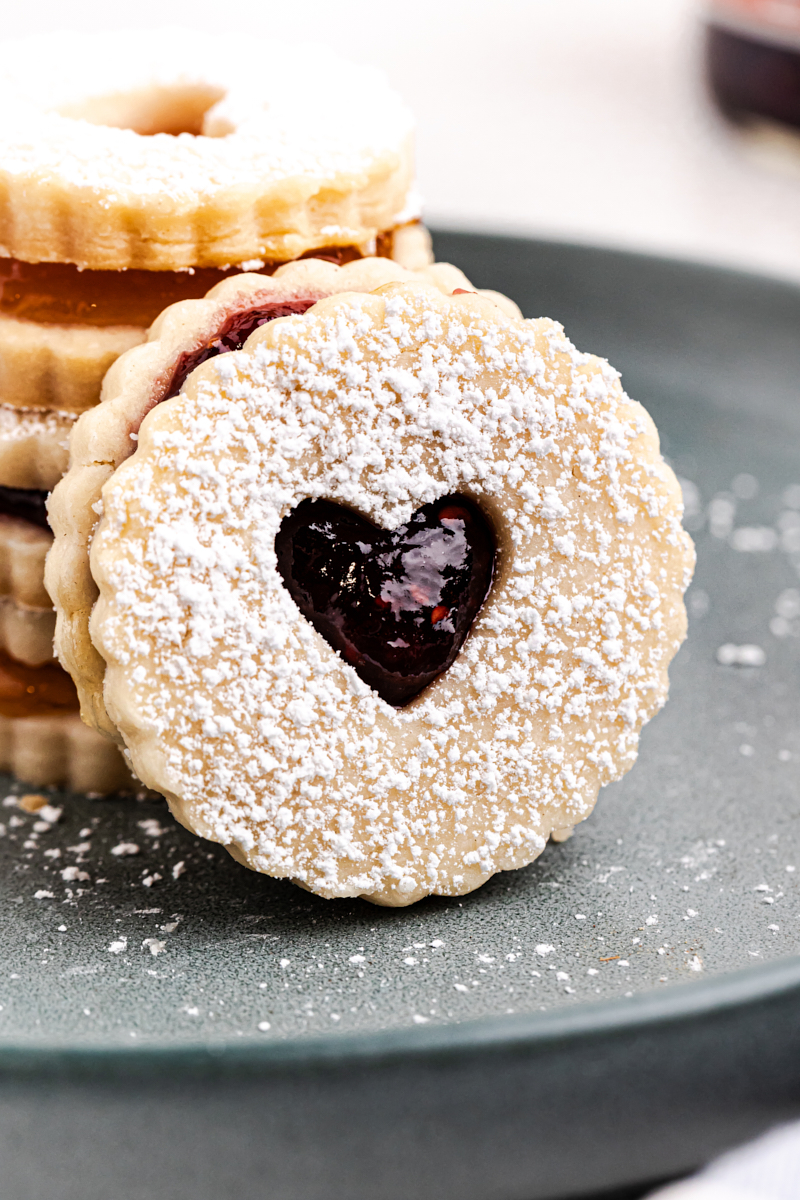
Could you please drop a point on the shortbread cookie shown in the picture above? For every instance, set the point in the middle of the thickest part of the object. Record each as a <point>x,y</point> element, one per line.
<point>26,634</point>
<point>184,335</point>
<point>140,169</point>
<point>27,619</point>
<point>180,148</point>
<point>23,549</point>
<point>440,431</point>
<point>409,245</point>
<point>58,367</point>
<point>42,738</point>
<point>34,447</point>
<point>61,750</point>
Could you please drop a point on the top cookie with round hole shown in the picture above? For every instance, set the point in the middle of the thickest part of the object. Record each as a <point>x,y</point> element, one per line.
<point>387,595</point>
<point>176,148</point>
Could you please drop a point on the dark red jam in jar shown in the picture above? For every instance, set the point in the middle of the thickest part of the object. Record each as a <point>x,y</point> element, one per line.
<point>753,60</point>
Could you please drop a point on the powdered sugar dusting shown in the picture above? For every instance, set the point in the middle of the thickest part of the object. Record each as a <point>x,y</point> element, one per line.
<point>265,739</point>
<point>275,129</point>
<point>20,424</point>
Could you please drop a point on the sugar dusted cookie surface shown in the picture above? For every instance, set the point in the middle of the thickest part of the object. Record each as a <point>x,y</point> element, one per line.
<point>260,735</point>
<point>34,446</point>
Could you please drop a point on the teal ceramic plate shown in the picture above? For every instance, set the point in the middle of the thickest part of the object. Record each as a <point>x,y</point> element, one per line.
<point>173,1026</point>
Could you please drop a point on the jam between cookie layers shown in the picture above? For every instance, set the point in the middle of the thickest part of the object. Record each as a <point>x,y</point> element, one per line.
<point>61,327</point>
<point>35,691</point>
<point>61,293</point>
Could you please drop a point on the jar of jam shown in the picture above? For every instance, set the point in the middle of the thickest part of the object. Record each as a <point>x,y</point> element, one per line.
<point>753,59</point>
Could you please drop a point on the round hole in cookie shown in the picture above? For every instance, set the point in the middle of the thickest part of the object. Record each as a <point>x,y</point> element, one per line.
<point>172,109</point>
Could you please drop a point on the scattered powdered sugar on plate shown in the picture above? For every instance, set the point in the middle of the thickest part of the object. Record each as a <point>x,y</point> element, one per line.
<point>272,959</point>
<point>782,536</point>
<point>748,655</point>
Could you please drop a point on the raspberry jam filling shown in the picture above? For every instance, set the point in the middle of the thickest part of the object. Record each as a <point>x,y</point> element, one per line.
<point>35,691</point>
<point>26,504</point>
<point>396,604</point>
<point>232,336</point>
<point>62,294</point>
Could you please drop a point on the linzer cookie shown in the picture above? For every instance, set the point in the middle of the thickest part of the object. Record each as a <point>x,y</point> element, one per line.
<point>141,169</point>
<point>173,149</point>
<point>387,595</point>
<point>185,335</point>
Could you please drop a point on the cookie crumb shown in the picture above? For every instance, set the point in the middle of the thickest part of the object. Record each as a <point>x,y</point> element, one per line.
<point>32,801</point>
<point>124,849</point>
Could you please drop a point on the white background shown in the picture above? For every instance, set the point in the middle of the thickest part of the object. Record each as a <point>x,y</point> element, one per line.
<point>583,119</point>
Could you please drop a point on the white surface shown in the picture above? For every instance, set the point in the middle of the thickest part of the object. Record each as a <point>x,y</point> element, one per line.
<point>767,1169</point>
<point>581,119</point>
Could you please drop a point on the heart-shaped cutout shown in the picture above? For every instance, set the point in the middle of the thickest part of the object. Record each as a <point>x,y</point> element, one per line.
<point>396,604</point>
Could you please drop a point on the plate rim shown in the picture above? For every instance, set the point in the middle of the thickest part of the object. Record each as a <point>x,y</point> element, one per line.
<point>677,1003</point>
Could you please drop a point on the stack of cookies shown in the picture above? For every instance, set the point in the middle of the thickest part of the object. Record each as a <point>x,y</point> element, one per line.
<point>376,581</point>
<point>136,172</point>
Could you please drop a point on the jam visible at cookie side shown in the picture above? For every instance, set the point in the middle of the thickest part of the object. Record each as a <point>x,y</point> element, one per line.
<point>35,691</point>
<point>396,605</point>
<point>62,294</point>
<point>26,504</point>
<point>233,335</point>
